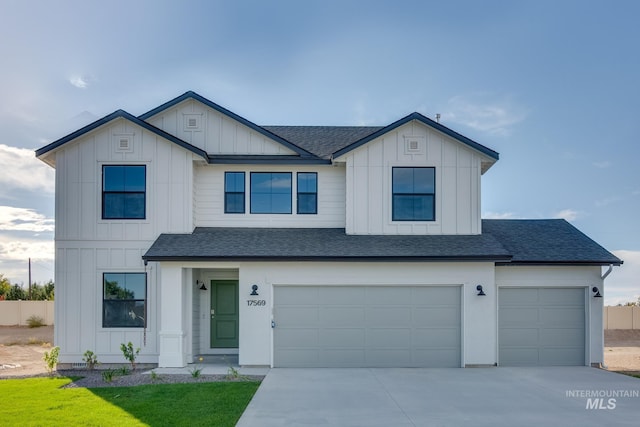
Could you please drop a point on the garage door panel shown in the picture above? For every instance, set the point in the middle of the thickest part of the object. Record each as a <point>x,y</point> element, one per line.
<point>388,338</point>
<point>436,296</point>
<point>541,326</point>
<point>518,297</point>
<point>434,317</point>
<point>352,316</point>
<point>368,326</point>
<point>298,337</point>
<point>388,296</point>
<point>388,316</point>
<point>298,295</point>
<point>294,316</point>
<point>562,316</point>
<point>564,297</point>
<point>342,338</point>
<point>425,337</point>
<point>521,315</point>
<point>561,338</point>
<point>341,358</point>
<point>387,358</point>
<point>520,336</point>
<point>339,295</point>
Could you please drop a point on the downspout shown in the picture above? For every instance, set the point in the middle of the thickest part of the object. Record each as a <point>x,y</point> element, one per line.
<point>606,273</point>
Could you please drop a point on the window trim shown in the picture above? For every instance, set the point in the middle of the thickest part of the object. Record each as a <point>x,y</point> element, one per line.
<point>244,192</point>
<point>251,204</point>
<point>299,193</point>
<point>104,193</point>
<point>145,300</point>
<point>432,195</point>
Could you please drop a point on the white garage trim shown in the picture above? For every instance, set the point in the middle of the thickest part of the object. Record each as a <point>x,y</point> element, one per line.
<point>367,326</point>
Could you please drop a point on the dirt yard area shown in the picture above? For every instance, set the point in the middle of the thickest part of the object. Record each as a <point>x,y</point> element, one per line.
<point>21,350</point>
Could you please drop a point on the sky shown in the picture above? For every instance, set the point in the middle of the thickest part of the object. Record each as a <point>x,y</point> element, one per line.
<point>551,85</point>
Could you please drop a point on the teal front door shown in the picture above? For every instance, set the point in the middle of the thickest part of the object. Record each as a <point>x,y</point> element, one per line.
<point>224,314</point>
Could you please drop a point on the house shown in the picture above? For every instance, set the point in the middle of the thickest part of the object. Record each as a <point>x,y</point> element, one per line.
<point>191,231</point>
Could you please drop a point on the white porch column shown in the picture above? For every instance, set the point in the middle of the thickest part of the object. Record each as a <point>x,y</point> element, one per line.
<point>172,330</point>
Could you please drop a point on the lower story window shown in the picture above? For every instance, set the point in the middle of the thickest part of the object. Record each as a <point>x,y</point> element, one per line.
<point>124,300</point>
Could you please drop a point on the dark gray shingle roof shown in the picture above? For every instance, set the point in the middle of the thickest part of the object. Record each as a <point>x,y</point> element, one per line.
<point>547,241</point>
<point>319,244</point>
<point>322,140</point>
<point>502,241</point>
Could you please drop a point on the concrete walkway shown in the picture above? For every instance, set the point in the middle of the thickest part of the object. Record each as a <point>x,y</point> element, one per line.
<point>567,396</point>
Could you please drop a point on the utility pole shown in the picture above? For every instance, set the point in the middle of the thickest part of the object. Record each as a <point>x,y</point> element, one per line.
<point>29,279</point>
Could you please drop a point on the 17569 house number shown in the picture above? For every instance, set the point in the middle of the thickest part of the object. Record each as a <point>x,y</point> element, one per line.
<point>256,302</point>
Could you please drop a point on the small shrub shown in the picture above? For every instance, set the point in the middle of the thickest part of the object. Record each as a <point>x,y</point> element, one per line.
<point>123,370</point>
<point>51,358</point>
<point>195,372</point>
<point>35,321</point>
<point>129,354</point>
<point>107,376</point>
<point>155,376</point>
<point>91,359</point>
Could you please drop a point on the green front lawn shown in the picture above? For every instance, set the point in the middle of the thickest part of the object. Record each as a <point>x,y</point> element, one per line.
<point>41,402</point>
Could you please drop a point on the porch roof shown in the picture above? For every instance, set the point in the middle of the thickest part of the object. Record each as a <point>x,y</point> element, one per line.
<point>505,242</point>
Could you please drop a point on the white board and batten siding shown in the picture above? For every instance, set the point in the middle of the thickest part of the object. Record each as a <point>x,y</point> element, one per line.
<point>369,182</point>
<point>87,245</point>
<point>213,131</point>
<point>209,198</point>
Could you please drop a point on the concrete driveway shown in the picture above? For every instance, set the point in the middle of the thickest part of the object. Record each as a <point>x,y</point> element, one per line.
<point>567,396</point>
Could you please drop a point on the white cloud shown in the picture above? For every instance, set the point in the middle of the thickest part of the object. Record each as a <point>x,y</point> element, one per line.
<point>484,113</point>
<point>623,285</point>
<point>22,171</point>
<point>602,165</point>
<point>607,201</point>
<point>14,256</point>
<point>21,219</point>
<point>81,82</point>
<point>568,214</point>
<point>498,215</point>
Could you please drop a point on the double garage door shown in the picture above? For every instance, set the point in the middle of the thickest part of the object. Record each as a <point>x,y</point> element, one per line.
<point>541,326</point>
<point>367,326</point>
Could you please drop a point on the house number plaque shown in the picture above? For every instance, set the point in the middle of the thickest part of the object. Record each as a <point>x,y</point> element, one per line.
<point>256,302</point>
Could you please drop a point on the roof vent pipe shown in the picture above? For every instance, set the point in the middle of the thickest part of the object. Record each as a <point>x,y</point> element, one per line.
<point>606,273</point>
<point>437,117</point>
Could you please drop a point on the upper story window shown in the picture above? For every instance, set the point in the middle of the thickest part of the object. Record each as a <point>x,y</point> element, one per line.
<point>270,192</point>
<point>307,192</point>
<point>414,196</point>
<point>234,192</point>
<point>124,300</point>
<point>124,192</point>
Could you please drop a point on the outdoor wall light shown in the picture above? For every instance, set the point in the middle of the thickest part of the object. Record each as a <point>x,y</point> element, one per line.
<point>254,290</point>
<point>202,287</point>
<point>596,292</point>
<point>480,291</point>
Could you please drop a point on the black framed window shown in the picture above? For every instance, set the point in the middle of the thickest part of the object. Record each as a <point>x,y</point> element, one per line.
<point>270,192</point>
<point>124,191</point>
<point>414,197</point>
<point>124,300</point>
<point>307,184</point>
<point>234,192</point>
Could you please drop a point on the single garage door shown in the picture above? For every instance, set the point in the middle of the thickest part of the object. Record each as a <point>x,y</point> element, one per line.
<point>541,326</point>
<point>367,326</point>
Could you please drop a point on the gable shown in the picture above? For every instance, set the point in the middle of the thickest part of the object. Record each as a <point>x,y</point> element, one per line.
<point>435,131</point>
<point>217,130</point>
<point>123,140</point>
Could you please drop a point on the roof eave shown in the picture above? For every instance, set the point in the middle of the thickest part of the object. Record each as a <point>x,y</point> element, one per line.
<point>266,160</point>
<point>493,259</point>
<point>593,263</point>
